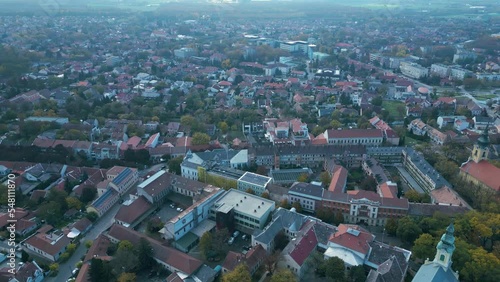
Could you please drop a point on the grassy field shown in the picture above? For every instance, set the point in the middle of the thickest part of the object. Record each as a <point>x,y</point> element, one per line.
<point>392,107</point>
<point>485,96</point>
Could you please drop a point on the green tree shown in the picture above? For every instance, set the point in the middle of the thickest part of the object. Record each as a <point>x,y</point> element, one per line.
<point>73,203</point>
<point>200,139</point>
<point>484,266</point>
<point>92,216</point>
<point>125,245</point>
<point>424,247</point>
<point>377,101</point>
<point>408,230</point>
<point>88,194</point>
<point>206,242</point>
<point>391,226</point>
<point>303,177</point>
<point>357,274</point>
<point>223,127</point>
<point>174,165</point>
<point>239,274</point>
<point>283,275</point>
<point>325,178</point>
<point>334,268</point>
<point>100,271</point>
<point>54,267</point>
<point>145,254</point>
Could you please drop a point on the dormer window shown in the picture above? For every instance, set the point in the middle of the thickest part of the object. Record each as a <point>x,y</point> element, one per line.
<point>441,258</point>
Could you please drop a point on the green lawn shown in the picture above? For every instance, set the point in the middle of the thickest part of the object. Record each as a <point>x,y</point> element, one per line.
<point>484,97</point>
<point>392,107</point>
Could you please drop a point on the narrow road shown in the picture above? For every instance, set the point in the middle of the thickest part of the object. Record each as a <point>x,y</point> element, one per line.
<point>67,267</point>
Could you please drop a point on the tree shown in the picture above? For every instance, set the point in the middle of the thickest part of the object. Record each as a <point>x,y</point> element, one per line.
<point>200,139</point>
<point>88,244</point>
<point>270,261</point>
<point>145,254</point>
<point>125,259</point>
<point>391,226</point>
<point>250,191</point>
<point>484,266</point>
<point>265,195</point>
<point>283,275</point>
<point>334,268</point>
<point>223,127</point>
<point>127,277</point>
<point>424,247</point>
<point>88,194</point>
<point>297,206</point>
<point>100,271</point>
<point>73,203</point>
<point>284,204</point>
<point>412,196</point>
<point>369,184</point>
<point>325,214</point>
<point>92,216</point>
<point>239,274</point>
<point>357,274</point>
<point>174,165</point>
<point>408,230</point>
<point>335,124</point>
<point>125,245</point>
<point>206,242</point>
<point>54,267</point>
<point>377,101</point>
<point>302,177</point>
<point>325,178</point>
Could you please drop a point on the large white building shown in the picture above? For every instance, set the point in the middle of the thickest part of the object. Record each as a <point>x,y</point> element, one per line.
<point>241,210</point>
<point>413,70</point>
<point>237,159</point>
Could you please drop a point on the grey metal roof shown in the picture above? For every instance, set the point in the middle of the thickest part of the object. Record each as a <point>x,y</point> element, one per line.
<point>282,219</point>
<point>422,165</point>
<point>306,189</point>
<point>255,179</point>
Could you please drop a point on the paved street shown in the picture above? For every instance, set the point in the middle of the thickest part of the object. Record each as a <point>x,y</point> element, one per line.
<point>103,223</point>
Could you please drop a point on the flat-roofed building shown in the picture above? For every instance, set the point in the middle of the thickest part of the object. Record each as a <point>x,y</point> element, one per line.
<point>255,182</point>
<point>241,210</point>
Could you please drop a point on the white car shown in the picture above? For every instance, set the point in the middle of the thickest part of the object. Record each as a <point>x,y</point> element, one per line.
<point>231,241</point>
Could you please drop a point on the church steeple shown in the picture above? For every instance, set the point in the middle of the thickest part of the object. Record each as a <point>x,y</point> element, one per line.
<point>481,148</point>
<point>445,247</point>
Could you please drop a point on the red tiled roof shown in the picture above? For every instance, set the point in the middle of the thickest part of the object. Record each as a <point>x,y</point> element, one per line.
<point>132,212</point>
<point>388,191</point>
<point>304,247</point>
<point>339,179</point>
<point>485,172</point>
<point>347,238</point>
<point>41,242</point>
<point>354,133</point>
<point>167,255</point>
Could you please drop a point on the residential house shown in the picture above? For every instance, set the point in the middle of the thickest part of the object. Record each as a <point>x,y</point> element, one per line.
<point>25,272</point>
<point>418,127</point>
<point>47,242</point>
<point>252,259</point>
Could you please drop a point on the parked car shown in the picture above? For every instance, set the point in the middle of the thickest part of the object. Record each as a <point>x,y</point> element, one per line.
<point>244,237</point>
<point>236,233</point>
<point>172,206</point>
<point>231,241</point>
<point>179,209</point>
<point>74,272</point>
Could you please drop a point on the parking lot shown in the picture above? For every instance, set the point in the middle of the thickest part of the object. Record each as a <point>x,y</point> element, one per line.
<point>165,214</point>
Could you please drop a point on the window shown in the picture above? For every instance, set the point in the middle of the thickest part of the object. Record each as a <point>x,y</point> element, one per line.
<point>441,258</point>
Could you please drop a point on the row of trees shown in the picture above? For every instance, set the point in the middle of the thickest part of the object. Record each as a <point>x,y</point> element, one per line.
<point>477,253</point>
<point>127,261</point>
